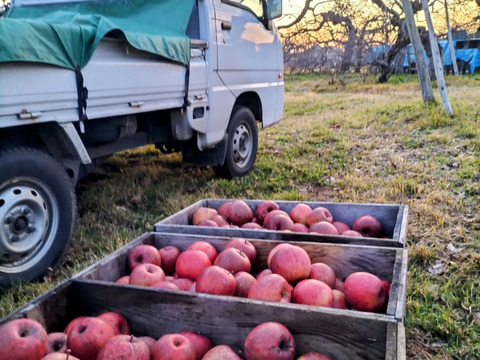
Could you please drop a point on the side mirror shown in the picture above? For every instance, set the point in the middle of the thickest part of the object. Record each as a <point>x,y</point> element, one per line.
<point>274,9</point>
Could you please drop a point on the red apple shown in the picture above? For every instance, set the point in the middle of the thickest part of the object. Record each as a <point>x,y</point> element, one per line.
<point>173,346</point>
<point>143,254</point>
<point>56,342</point>
<point>146,275</point>
<point>323,272</point>
<point>319,214</point>
<point>251,225</point>
<point>117,322</point>
<point>124,347</point>
<point>216,280</point>
<point>271,287</point>
<point>221,352</point>
<point>169,255</point>
<point>72,323</point>
<point>88,336</point>
<point>352,233</point>
<point>291,262</point>
<point>206,247</point>
<point>341,226</point>
<point>386,286</point>
<point>169,285</point>
<point>312,292</point>
<point>233,260</point>
<point>365,291</point>
<point>207,223</point>
<point>203,213</point>
<point>239,213</point>
<point>22,339</point>
<point>339,285</point>
<point>220,220</point>
<point>125,280</point>
<point>223,209</point>
<point>191,263</point>
<point>183,283</point>
<point>149,341</point>
<point>274,250</point>
<point>270,340</point>
<point>323,227</point>
<point>246,246</point>
<point>297,227</point>
<point>368,225</point>
<point>270,215</point>
<point>300,212</point>
<point>280,222</point>
<point>201,343</point>
<point>264,272</point>
<point>244,282</point>
<point>314,356</point>
<point>264,208</point>
<point>60,356</point>
<point>339,301</point>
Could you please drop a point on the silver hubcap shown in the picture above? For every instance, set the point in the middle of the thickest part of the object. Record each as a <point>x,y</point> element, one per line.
<point>29,218</point>
<point>242,145</point>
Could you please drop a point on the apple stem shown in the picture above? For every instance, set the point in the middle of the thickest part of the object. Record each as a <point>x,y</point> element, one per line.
<point>131,338</point>
<point>68,354</point>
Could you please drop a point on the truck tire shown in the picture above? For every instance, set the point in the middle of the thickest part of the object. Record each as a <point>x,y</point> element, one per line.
<point>37,214</point>
<point>242,144</point>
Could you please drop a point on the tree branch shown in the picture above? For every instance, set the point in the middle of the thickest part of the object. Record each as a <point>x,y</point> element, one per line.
<point>299,18</point>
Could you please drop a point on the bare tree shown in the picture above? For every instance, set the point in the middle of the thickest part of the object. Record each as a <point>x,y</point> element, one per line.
<point>352,28</point>
<point>450,40</point>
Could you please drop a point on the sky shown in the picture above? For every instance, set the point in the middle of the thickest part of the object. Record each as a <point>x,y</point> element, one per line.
<point>466,14</point>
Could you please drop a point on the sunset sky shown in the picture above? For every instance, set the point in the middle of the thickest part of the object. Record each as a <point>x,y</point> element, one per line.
<point>458,16</point>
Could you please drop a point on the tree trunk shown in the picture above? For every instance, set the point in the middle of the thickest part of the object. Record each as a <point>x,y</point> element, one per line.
<point>422,70</point>
<point>450,42</point>
<point>438,63</point>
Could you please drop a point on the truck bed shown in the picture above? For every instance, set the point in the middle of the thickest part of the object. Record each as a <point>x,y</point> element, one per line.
<point>120,80</point>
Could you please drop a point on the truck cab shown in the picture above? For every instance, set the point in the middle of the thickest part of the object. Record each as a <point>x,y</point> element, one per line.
<point>62,115</point>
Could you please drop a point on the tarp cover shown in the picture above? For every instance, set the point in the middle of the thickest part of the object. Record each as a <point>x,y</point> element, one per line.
<point>67,34</point>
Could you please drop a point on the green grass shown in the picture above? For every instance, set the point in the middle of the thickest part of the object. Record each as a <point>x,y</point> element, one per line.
<point>351,142</point>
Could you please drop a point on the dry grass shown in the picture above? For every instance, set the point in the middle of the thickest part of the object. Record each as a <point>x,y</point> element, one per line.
<point>362,142</point>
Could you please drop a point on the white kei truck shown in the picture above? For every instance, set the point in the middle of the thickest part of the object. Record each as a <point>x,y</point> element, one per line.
<point>81,80</point>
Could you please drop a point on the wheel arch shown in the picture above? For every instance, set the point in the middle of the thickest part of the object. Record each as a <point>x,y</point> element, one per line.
<point>47,137</point>
<point>252,101</point>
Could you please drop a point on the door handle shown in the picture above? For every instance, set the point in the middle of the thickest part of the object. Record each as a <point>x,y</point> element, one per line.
<point>226,25</point>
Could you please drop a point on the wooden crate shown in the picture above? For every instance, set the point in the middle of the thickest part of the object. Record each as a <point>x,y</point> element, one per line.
<point>224,320</point>
<point>394,219</point>
<point>341,334</point>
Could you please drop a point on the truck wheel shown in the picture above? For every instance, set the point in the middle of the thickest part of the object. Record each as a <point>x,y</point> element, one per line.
<point>37,215</point>
<point>241,144</point>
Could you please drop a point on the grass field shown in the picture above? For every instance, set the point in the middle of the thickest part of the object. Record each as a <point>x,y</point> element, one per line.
<point>357,142</point>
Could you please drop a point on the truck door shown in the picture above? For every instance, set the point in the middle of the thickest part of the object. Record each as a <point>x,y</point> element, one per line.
<point>249,54</point>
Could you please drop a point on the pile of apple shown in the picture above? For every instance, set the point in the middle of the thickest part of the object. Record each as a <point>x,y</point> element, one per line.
<point>107,337</point>
<point>302,218</point>
<point>290,276</point>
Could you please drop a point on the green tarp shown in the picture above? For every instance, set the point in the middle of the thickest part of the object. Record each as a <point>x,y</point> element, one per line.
<point>67,34</point>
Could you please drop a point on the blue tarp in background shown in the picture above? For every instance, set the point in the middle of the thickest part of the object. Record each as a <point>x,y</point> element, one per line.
<point>470,56</point>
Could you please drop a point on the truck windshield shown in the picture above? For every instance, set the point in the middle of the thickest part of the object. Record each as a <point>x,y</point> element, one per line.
<point>255,6</point>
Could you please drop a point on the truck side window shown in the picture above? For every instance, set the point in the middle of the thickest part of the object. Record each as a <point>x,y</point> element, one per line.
<point>254,6</point>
